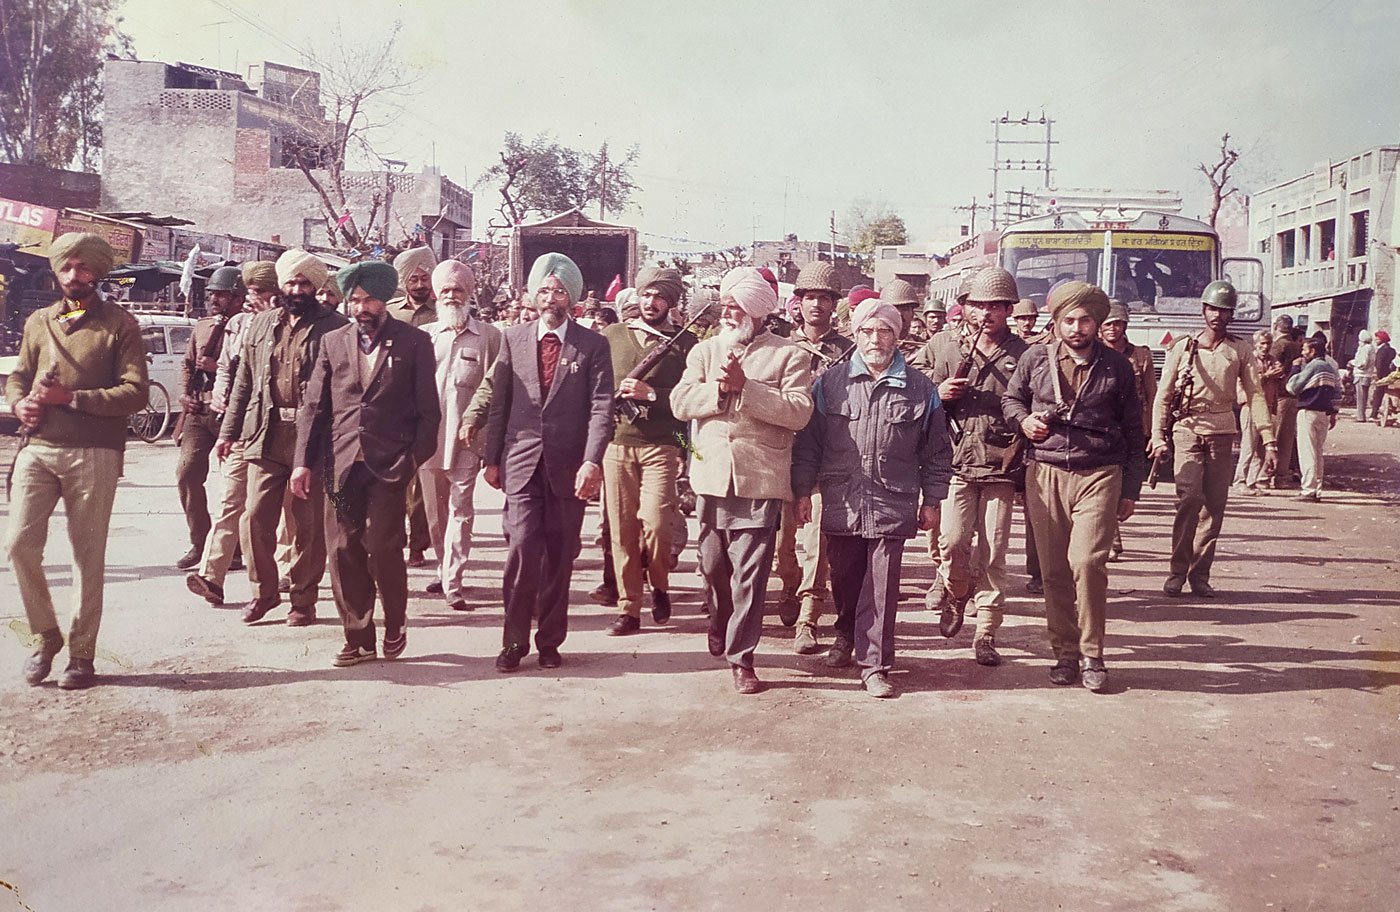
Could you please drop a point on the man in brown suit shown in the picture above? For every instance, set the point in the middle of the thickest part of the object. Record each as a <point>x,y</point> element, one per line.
<point>371,412</point>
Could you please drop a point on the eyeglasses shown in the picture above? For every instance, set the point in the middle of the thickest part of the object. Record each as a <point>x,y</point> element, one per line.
<point>870,332</point>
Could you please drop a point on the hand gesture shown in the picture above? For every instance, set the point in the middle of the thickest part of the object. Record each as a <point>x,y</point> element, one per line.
<point>732,377</point>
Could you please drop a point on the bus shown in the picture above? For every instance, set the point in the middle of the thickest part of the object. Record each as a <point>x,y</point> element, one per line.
<point>1155,263</point>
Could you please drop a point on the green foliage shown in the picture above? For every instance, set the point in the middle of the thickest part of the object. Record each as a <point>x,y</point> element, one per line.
<point>51,57</point>
<point>869,226</point>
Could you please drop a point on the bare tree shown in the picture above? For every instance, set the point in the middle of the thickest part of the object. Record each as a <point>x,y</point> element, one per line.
<point>357,82</point>
<point>1218,175</point>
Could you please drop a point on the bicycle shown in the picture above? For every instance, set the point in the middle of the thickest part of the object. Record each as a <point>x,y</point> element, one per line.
<point>151,421</point>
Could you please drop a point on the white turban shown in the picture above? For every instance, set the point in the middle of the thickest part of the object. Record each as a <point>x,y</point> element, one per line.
<point>750,290</point>
<point>453,270</point>
<point>875,309</point>
<point>298,262</point>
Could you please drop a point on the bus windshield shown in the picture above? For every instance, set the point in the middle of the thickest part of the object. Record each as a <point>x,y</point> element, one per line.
<point>1041,260</point>
<point>1161,273</point>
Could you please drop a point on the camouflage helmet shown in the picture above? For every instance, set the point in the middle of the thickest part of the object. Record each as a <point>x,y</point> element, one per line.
<point>1220,295</point>
<point>993,285</point>
<point>818,276</point>
<point>899,293</point>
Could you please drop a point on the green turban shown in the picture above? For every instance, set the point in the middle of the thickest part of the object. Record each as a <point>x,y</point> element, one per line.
<point>376,277</point>
<point>667,283</point>
<point>94,252</point>
<point>1069,295</point>
<point>560,266</point>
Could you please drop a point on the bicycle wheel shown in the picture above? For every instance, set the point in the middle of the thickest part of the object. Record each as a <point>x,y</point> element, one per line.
<point>149,424</point>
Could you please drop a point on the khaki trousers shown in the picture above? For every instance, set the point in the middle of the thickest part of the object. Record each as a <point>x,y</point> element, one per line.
<point>808,574</point>
<point>1285,425</point>
<point>974,536</point>
<point>1203,472</point>
<point>1074,513</point>
<point>449,499</point>
<point>640,499</point>
<point>1313,426</point>
<point>267,489</point>
<point>85,479</point>
<point>231,526</point>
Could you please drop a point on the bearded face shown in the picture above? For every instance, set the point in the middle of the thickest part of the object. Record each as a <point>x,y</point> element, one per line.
<point>299,304</point>
<point>453,314</point>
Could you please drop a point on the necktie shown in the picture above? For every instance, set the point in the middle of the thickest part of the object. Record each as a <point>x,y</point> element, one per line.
<point>549,361</point>
<point>367,341</point>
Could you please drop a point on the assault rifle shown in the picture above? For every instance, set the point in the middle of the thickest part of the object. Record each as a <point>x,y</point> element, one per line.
<point>202,381</point>
<point>963,371</point>
<point>1177,406</point>
<point>631,409</point>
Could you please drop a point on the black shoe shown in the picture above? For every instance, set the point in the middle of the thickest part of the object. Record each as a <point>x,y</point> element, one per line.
<point>1202,588</point>
<point>416,558</point>
<point>714,639</point>
<point>205,588</point>
<point>353,655</point>
<point>459,605</point>
<point>38,665</point>
<point>789,609</point>
<point>839,655</point>
<point>1034,586</point>
<point>284,584</point>
<point>435,587</point>
<point>1173,585</point>
<point>79,675</point>
<point>950,614</point>
<point>394,646</point>
<point>550,658</point>
<point>1095,675</point>
<point>985,650</point>
<point>660,606</point>
<point>604,595</point>
<point>237,562</point>
<point>623,625</point>
<point>1066,671</point>
<point>509,659</point>
<point>190,560</point>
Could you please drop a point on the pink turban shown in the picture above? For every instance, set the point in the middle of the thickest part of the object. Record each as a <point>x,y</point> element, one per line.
<point>875,309</point>
<point>453,270</point>
<point>750,290</point>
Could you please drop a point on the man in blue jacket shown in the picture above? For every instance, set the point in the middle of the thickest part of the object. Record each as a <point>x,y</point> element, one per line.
<point>1076,400</point>
<point>877,447</point>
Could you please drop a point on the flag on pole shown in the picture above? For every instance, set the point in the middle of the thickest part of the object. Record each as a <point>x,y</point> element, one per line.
<point>187,273</point>
<point>613,289</point>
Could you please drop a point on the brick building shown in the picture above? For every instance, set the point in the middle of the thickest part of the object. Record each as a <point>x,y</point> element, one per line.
<point>212,148</point>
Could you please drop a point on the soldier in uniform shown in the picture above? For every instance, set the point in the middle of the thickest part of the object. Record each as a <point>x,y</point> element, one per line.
<point>1024,314</point>
<point>1113,332</point>
<point>806,576</point>
<point>935,316</point>
<point>1220,367</point>
<point>971,370</point>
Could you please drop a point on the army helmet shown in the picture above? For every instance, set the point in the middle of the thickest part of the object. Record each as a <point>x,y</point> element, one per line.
<point>1219,294</point>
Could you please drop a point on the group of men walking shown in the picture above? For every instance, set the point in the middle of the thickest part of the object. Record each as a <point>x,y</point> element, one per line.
<point>818,453</point>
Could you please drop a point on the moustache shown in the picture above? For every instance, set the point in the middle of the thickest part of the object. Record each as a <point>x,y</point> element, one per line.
<point>298,304</point>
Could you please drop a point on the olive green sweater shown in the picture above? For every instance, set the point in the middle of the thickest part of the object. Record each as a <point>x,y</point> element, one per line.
<point>658,426</point>
<point>102,361</point>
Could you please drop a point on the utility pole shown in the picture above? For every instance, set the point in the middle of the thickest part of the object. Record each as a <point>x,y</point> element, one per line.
<point>603,184</point>
<point>833,237</point>
<point>973,207</point>
<point>1018,128</point>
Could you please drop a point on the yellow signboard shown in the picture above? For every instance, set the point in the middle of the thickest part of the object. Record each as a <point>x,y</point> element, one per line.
<point>1140,241</point>
<point>1054,240</point>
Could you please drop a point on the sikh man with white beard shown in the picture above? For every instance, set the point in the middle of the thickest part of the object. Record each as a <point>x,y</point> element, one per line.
<point>465,349</point>
<point>748,392</point>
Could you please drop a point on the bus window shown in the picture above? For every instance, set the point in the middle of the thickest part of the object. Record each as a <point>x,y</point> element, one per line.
<point>1168,281</point>
<point>1038,270</point>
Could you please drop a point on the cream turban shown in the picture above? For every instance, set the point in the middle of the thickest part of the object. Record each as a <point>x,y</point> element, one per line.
<point>452,270</point>
<point>562,268</point>
<point>1069,295</point>
<point>876,309</point>
<point>298,262</point>
<point>94,252</point>
<point>412,260</point>
<point>750,290</point>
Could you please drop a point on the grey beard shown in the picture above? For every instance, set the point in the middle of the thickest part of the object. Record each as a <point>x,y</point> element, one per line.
<point>740,335</point>
<point>886,359</point>
<point>454,315</point>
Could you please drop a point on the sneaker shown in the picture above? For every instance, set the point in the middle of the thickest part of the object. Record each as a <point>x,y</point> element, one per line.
<point>878,686</point>
<point>985,650</point>
<point>1034,586</point>
<point>660,606</point>
<point>804,640</point>
<point>789,608</point>
<point>205,588</point>
<point>624,625</point>
<point>79,675</point>
<point>1095,675</point>
<point>839,655</point>
<point>1066,671</point>
<point>394,646</point>
<point>190,559</point>
<point>353,655</point>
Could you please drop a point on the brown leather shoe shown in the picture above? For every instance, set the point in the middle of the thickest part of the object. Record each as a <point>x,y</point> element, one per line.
<point>299,618</point>
<point>714,638</point>
<point>745,681</point>
<point>79,675</point>
<point>623,625</point>
<point>255,610</point>
<point>38,665</point>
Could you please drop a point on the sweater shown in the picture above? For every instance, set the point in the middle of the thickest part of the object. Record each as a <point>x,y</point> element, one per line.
<point>655,425</point>
<point>1316,384</point>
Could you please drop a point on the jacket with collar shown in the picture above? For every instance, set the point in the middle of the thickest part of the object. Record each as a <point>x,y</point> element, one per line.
<point>459,378</point>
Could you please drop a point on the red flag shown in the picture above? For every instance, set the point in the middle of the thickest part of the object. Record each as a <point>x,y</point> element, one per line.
<point>1166,339</point>
<point>613,289</point>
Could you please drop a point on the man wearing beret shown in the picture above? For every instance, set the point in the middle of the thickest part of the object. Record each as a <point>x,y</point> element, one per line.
<point>749,392</point>
<point>80,374</point>
<point>369,420</point>
<point>1223,373</point>
<point>806,578</point>
<point>1076,400</point>
<point>279,349</point>
<point>550,421</point>
<point>465,349</point>
<point>877,446</point>
<point>414,304</point>
<point>644,458</point>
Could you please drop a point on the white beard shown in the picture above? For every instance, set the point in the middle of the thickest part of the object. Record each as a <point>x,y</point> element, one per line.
<point>738,335</point>
<point>454,315</point>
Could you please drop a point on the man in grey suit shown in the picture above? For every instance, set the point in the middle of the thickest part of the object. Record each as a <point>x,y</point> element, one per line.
<point>552,381</point>
<point>369,419</point>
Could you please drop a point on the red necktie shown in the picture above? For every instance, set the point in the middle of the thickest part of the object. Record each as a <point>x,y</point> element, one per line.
<point>549,361</point>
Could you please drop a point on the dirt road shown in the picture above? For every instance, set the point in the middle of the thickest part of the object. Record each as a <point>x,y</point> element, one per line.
<point>1246,759</point>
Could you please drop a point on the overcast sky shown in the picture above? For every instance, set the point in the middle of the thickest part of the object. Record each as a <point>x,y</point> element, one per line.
<point>761,118</point>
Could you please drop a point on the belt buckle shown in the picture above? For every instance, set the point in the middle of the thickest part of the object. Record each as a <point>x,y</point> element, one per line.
<point>286,414</point>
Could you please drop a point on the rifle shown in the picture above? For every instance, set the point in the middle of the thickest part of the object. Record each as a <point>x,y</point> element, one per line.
<point>1177,406</point>
<point>630,408</point>
<point>202,381</point>
<point>829,362</point>
<point>963,371</point>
